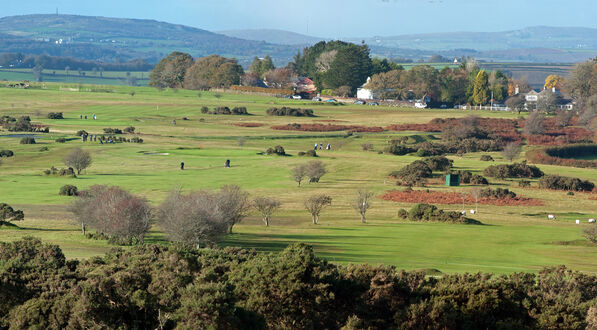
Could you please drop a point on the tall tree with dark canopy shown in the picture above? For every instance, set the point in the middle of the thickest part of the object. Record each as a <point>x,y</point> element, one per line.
<point>170,71</point>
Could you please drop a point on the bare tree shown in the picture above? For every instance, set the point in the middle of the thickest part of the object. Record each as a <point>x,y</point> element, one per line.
<point>266,206</point>
<point>476,193</point>
<point>192,220</point>
<point>362,203</point>
<point>299,172</point>
<point>234,204</point>
<point>534,124</point>
<point>113,211</point>
<point>315,170</point>
<point>315,204</point>
<point>511,151</point>
<point>324,61</point>
<point>78,159</point>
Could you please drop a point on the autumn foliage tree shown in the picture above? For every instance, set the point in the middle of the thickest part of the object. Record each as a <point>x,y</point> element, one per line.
<point>213,71</point>
<point>170,71</point>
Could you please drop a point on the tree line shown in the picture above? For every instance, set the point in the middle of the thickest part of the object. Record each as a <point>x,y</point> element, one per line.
<point>62,63</point>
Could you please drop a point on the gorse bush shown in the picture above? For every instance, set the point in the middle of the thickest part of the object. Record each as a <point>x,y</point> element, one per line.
<point>129,130</point>
<point>22,124</point>
<point>438,163</point>
<point>155,286</point>
<point>112,131</point>
<point>428,212</point>
<point>470,178</point>
<point>61,172</point>
<point>55,115</point>
<point>498,193</point>
<point>557,182</point>
<point>60,140</point>
<point>277,150</point>
<point>27,140</point>
<point>487,158</point>
<point>7,213</point>
<point>6,153</point>
<point>68,190</point>
<point>516,170</point>
<point>285,111</point>
<point>413,174</point>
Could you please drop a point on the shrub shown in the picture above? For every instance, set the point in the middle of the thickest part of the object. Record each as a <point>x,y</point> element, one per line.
<point>286,111</point>
<point>239,111</point>
<point>136,139</point>
<point>470,178</point>
<point>112,131</point>
<point>55,115</point>
<point>438,163</point>
<point>516,170</point>
<point>7,213</point>
<point>309,153</point>
<point>524,183</point>
<point>68,190</point>
<point>60,140</point>
<point>413,174</point>
<point>82,132</point>
<point>27,140</point>
<point>44,149</point>
<point>399,150</point>
<point>487,158</point>
<point>590,233</point>
<point>557,182</point>
<point>277,150</point>
<point>402,213</point>
<point>428,212</point>
<point>6,153</point>
<point>498,193</point>
<point>129,129</point>
<point>367,146</point>
<point>204,110</point>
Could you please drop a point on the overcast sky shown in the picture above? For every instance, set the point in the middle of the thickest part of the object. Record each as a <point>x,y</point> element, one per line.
<point>332,18</point>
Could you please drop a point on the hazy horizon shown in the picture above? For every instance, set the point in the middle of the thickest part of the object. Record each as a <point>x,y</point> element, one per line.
<point>333,19</point>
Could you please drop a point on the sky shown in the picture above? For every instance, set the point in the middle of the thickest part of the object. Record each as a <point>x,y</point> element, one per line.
<point>332,18</point>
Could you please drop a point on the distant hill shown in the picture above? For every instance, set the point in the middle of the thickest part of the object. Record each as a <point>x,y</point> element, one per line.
<point>119,39</point>
<point>532,37</point>
<point>273,36</point>
<point>110,38</point>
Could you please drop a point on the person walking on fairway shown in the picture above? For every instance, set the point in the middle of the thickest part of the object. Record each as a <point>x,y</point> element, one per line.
<point>321,146</point>
<point>329,146</point>
<point>182,165</point>
<point>315,148</point>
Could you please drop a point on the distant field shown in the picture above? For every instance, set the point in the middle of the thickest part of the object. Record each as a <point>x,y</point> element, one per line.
<point>513,239</point>
<point>73,76</point>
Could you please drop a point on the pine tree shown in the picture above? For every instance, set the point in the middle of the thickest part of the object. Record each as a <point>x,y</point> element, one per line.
<point>267,64</point>
<point>481,88</point>
<point>256,66</point>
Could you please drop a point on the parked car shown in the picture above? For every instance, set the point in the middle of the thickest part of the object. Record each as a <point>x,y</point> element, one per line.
<point>359,102</point>
<point>332,101</point>
<point>373,103</point>
<point>443,106</point>
<point>317,99</point>
<point>297,97</point>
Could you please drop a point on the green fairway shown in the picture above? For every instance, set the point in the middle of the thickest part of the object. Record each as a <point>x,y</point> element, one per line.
<point>512,239</point>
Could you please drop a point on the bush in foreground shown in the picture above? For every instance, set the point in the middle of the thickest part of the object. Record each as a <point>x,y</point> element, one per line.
<point>153,287</point>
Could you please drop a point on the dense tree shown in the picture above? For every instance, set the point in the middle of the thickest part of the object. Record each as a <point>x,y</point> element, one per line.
<point>582,82</point>
<point>481,88</point>
<point>213,72</point>
<point>262,65</point>
<point>351,67</point>
<point>170,71</point>
<point>78,159</point>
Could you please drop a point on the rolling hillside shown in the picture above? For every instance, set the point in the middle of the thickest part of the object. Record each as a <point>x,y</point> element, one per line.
<point>110,38</point>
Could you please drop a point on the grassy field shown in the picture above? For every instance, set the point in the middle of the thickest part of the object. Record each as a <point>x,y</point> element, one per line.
<point>74,77</point>
<point>512,239</point>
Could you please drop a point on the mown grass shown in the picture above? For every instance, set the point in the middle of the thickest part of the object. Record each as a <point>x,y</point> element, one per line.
<point>512,239</point>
